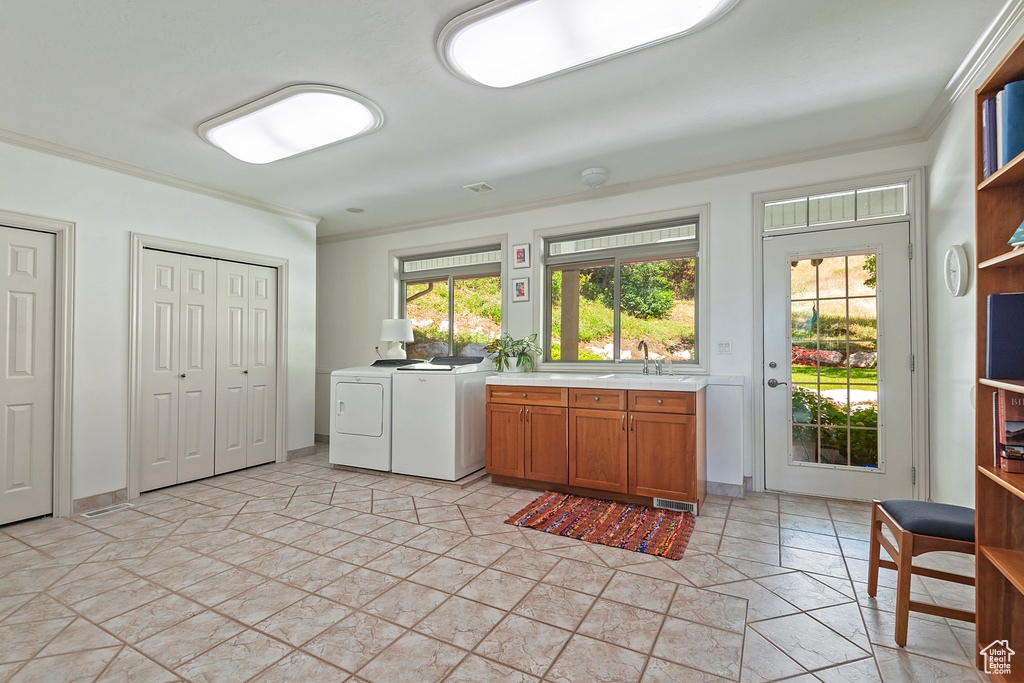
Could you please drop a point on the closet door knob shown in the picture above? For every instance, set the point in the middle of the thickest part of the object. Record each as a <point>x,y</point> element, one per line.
<point>245,372</point>
<point>183,375</point>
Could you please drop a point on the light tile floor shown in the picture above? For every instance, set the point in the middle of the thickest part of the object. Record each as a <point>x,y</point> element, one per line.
<point>303,572</point>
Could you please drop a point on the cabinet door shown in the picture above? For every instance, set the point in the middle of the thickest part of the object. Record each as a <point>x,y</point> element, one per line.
<point>505,440</point>
<point>597,450</point>
<point>663,455</point>
<point>547,447</point>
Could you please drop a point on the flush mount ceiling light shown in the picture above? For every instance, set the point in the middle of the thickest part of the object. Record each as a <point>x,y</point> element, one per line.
<point>510,42</point>
<point>291,121</point>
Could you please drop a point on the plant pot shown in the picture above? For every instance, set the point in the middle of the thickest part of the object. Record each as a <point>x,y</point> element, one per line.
<point>513,366</point>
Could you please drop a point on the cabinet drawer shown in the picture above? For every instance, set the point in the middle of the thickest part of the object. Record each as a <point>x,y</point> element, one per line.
<point>526,395</point>
<point>597,399</point>
<point>663,402</point>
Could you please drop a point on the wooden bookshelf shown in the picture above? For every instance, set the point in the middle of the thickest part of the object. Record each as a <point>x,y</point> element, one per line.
<point>999,496</point>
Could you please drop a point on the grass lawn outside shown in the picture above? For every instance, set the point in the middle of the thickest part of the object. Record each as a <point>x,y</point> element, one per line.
<point>865,379</point>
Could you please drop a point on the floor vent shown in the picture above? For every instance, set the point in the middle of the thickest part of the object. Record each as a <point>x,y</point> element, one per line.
<point>676,505</point>
<point>103,511</point>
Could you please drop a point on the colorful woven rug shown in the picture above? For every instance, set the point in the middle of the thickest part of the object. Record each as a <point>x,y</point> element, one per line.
<point>620,525</point>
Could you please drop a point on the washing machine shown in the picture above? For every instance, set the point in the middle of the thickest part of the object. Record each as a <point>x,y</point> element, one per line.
<point>361,415</point>
<point>439,427</point>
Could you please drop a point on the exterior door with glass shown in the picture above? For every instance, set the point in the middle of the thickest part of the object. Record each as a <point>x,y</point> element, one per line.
<point>838,365</point>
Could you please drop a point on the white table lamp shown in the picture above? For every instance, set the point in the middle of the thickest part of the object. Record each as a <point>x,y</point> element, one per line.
<point>395,331</point>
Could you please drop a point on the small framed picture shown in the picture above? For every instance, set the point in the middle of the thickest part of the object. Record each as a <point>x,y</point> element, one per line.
<point>521,256</point>
<point>521,289</point>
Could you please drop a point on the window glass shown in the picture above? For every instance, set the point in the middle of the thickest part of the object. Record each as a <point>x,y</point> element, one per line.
<point>657,305</point>
<point>477,314</point>
<point>582,326</point>
<point>426,305</point>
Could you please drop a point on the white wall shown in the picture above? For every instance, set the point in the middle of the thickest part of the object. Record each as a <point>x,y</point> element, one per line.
<point>951,220</point>
<point>353,278</point>
<point>106,207</point>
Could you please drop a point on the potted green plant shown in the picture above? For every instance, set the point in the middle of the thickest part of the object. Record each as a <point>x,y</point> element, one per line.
<point>515,355</point>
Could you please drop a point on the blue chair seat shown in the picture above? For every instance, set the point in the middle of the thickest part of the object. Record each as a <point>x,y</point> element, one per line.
<point>933,519</point>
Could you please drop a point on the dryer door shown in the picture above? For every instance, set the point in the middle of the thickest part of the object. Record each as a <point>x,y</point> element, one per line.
<point>358,408</point>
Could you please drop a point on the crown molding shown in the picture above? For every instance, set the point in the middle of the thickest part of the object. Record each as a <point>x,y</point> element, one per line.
<point>65,152</point>
<point>960,83</point>
<point>907,137</point>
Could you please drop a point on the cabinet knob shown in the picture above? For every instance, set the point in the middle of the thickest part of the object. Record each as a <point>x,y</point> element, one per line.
<point>524,395</point>
<point>596,398</point>
<point>660,401</point>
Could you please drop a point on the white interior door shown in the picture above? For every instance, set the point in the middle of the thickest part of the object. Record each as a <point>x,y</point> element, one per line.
<point>261,352</point>
<point>159,353</point>
<point>232,366</point>
<point>26,385</point>
<point>197,395</point>
<point>837,353</point>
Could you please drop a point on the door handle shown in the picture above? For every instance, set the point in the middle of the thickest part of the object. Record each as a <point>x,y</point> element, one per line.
<point>520,415</point>
<point>623,422</point>
<point>774,383</point>
<point>245,372</point>
<point>183,375</point>
<point>527,415</point>
<point>632,428</point>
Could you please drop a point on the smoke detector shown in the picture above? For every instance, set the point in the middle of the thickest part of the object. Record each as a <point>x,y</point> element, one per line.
<point>479,188</point>
<point>595,177</point>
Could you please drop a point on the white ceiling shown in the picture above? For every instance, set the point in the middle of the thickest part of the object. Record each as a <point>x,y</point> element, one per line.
<point>131,80</point>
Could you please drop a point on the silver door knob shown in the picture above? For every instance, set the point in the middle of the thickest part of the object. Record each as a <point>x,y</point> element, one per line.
<point>774,383</point>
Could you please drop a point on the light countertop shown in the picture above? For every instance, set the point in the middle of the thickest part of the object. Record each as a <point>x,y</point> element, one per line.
<point>577,380</point>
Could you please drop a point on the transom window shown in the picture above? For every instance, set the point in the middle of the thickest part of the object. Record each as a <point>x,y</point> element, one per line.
<point>609,291</point>
<point>453,300</point>
<point>846,206</point>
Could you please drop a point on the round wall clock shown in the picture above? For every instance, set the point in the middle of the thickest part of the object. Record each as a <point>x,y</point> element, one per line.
<point>955,270</point>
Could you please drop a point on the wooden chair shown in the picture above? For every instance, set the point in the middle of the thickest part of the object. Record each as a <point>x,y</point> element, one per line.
<point>919,527</point>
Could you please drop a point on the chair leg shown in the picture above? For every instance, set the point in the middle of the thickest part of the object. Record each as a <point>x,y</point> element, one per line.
<point>903,576</point>
<point>874,552</point>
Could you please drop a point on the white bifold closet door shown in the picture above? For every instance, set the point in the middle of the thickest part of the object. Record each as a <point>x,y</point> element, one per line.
<point>246,366</point>
<point>178,353</point>
<point>26,382</point>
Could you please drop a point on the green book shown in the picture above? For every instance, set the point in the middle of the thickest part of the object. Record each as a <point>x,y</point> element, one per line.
<point>1018,237</point>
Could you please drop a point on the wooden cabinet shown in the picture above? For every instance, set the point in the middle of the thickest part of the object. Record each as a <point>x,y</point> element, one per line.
<point>505,440</point>
<point>598,450</point>
<point>546,455</point>
<point>999,203</point>
<point>634,445</point>
<point>664,455</point>
<point>527,442</point>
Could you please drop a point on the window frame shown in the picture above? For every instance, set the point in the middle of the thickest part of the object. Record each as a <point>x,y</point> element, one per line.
<point>698,216</point>
<point>451,274</point>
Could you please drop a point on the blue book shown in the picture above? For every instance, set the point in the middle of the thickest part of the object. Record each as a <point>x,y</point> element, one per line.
<point>1013,120</point>
<point>988,137</point>
<point>1004,355</point>
<point>1017,239</point>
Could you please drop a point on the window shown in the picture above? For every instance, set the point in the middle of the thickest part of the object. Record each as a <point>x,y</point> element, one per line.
<point>607,292</point>
<point>836,207</point>
<point>453,300</point>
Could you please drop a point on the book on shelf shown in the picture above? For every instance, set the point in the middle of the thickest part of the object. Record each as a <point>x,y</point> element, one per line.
<point>1000,148</point>
<point>1017,240</point>
<point>1010,431</point>
<point>1013,120</point>
<point>1004,339</point>
<point>988,137</point>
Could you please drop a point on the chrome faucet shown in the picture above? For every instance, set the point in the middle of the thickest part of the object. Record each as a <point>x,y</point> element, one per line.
<point>643,345</point>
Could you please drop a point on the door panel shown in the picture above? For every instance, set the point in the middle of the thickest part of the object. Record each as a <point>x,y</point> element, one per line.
<point>837,349</point>
<point>197,396</point>
<point>159,343</point>
<point>230,441</point>
<point>261,351</point>
<point>597,450</point>
<point>27,300</point>
<point>505,440</point>
<point>359,408</point>
<point>547,444</point>
<point>663,449</point>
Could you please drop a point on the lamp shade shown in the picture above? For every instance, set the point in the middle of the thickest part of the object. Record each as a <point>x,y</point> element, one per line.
<point>392,330</point>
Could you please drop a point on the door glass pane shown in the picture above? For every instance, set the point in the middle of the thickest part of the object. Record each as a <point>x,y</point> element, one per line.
<point>657,305</point>
<point>426,305</point>
<point>582,321</point>
<point>477,314</point>
<point>834,360</point>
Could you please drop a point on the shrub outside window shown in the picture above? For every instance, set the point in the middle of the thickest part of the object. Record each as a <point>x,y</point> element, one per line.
<point>453,301</point>
<point>606,292</point>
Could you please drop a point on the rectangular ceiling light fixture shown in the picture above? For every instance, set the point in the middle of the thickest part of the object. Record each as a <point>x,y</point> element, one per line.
<point>291,121</point>
<point>511,42</point>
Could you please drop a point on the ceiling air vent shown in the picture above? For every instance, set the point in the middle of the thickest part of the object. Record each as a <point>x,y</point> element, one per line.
<point>479,188</point>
